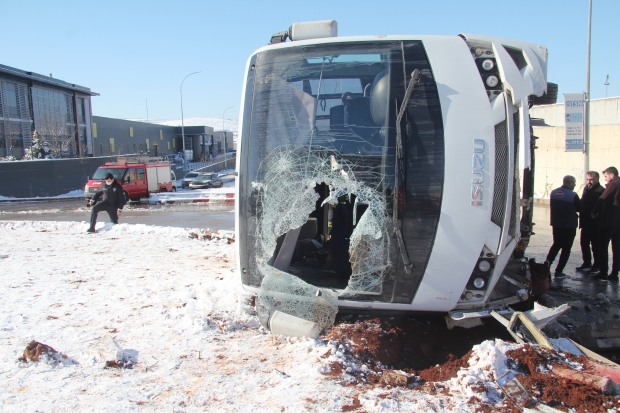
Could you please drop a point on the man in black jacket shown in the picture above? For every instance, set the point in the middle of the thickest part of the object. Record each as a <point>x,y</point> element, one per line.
<point>588,225</point>
<point>565,205</point>
<point>607,210</point>
<point>113,201</point>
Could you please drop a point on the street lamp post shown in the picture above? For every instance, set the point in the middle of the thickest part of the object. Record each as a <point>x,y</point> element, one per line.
<point>586,131</point>
<point>225,140</point>
<point>182,125</point>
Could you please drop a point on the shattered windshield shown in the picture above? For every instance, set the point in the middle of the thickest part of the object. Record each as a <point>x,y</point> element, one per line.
<point>319,170</point>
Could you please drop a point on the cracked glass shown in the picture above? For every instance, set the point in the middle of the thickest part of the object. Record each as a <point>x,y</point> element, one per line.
<point>318,178</point>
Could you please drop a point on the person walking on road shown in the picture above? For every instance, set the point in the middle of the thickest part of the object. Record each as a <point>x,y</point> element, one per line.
<point>588,225</point>
<point>607,211</point>
<point>113,201</point>
<point>565,204</point>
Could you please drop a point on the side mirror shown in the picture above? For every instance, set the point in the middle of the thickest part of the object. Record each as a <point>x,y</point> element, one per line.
<point>88,177</point>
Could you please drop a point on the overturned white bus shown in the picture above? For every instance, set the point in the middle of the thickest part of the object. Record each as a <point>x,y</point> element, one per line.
<point>386,172</point>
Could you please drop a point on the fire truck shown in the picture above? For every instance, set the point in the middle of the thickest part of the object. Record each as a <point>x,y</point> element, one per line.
<point>139,177</point>
<point>392,171</point>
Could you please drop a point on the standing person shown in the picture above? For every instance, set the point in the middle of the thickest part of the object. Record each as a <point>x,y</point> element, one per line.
<point>588,225</point>
<point>113,201</point>
<point>607,210</point>
<point>564,207</point>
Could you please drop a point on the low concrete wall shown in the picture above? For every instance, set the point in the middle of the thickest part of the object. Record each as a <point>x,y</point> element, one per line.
<point>49,177</point>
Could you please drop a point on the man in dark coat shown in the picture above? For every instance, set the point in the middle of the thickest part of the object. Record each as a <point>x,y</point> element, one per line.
<point>564,207</point>
<point>588,225</point>
<point>113,201</point>
<point>607,211</point>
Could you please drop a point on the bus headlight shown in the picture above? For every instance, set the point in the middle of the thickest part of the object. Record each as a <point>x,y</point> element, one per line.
<point>479,283</point>
<point>484,265</point>
<point>488,64</point>
<point>492,81</point>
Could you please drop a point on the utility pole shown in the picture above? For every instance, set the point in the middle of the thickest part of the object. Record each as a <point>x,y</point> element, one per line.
<point>606,85</point>
<point>183,126</point>
<point>586,132</point>
<point>223,132</point>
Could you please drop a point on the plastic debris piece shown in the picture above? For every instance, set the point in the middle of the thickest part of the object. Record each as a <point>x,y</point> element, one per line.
<point>514,390</point>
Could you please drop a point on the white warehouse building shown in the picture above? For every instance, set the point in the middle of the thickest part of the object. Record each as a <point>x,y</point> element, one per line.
<point>553,162</point>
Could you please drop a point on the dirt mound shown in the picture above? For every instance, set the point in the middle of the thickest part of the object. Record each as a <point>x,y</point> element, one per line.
<point>536,366</point>
<point>421,353</point>
<point>36,351</point>
<point>411,345</point>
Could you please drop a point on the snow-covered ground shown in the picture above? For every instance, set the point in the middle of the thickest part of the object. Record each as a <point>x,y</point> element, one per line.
<point>169,297</point>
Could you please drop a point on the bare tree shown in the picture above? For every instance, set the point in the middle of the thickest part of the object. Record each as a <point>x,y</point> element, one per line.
<point>58,134</point>
<point>13,134</point>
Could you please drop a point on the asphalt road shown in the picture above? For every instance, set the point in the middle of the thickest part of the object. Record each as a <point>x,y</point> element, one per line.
<point>181,215</point>
<point>577,281</point>
<point>222,217</point>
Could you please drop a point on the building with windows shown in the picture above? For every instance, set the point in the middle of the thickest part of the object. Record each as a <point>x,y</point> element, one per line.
<point>60,111</point>
<point>62,114</point>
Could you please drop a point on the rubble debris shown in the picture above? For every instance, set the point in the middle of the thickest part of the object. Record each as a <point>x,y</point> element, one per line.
<point>115,364</point>
<point>36,351</point>
<point>108,349</point>
<point>395,378</point>
<point>381,352</point>
<point>410,344</point>
<point>514,390</point>
<point>288,325</point>
<point>603,384</point>
<point>534,367</point>
<point>288,294</point>
<point>212,234</point>
<point>545,300</point>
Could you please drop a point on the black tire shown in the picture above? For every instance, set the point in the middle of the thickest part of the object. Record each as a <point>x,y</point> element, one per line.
<point>126,197</point>
<point>549,98</point>
<point>163,190</point>
<point>174,189</point>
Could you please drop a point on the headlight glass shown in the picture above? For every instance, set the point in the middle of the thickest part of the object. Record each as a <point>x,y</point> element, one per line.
<point>492,81</point>
<point>484,265</point>
<point>488,64</point>
<point>479,282</point>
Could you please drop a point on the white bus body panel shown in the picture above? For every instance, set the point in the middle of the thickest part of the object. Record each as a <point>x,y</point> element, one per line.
<point>463,228</point>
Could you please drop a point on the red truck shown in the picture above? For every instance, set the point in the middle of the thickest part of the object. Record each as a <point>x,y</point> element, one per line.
<point>139,177</point>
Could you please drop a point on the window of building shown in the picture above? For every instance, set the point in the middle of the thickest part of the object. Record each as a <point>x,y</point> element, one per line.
<point>81,111</point>
<point>11,100</point>
<point>53,117</point>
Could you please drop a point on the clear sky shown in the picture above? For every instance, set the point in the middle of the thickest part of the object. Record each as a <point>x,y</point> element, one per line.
<point>136,51</point>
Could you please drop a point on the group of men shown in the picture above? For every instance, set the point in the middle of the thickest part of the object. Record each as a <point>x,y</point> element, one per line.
<point>597,214</point>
